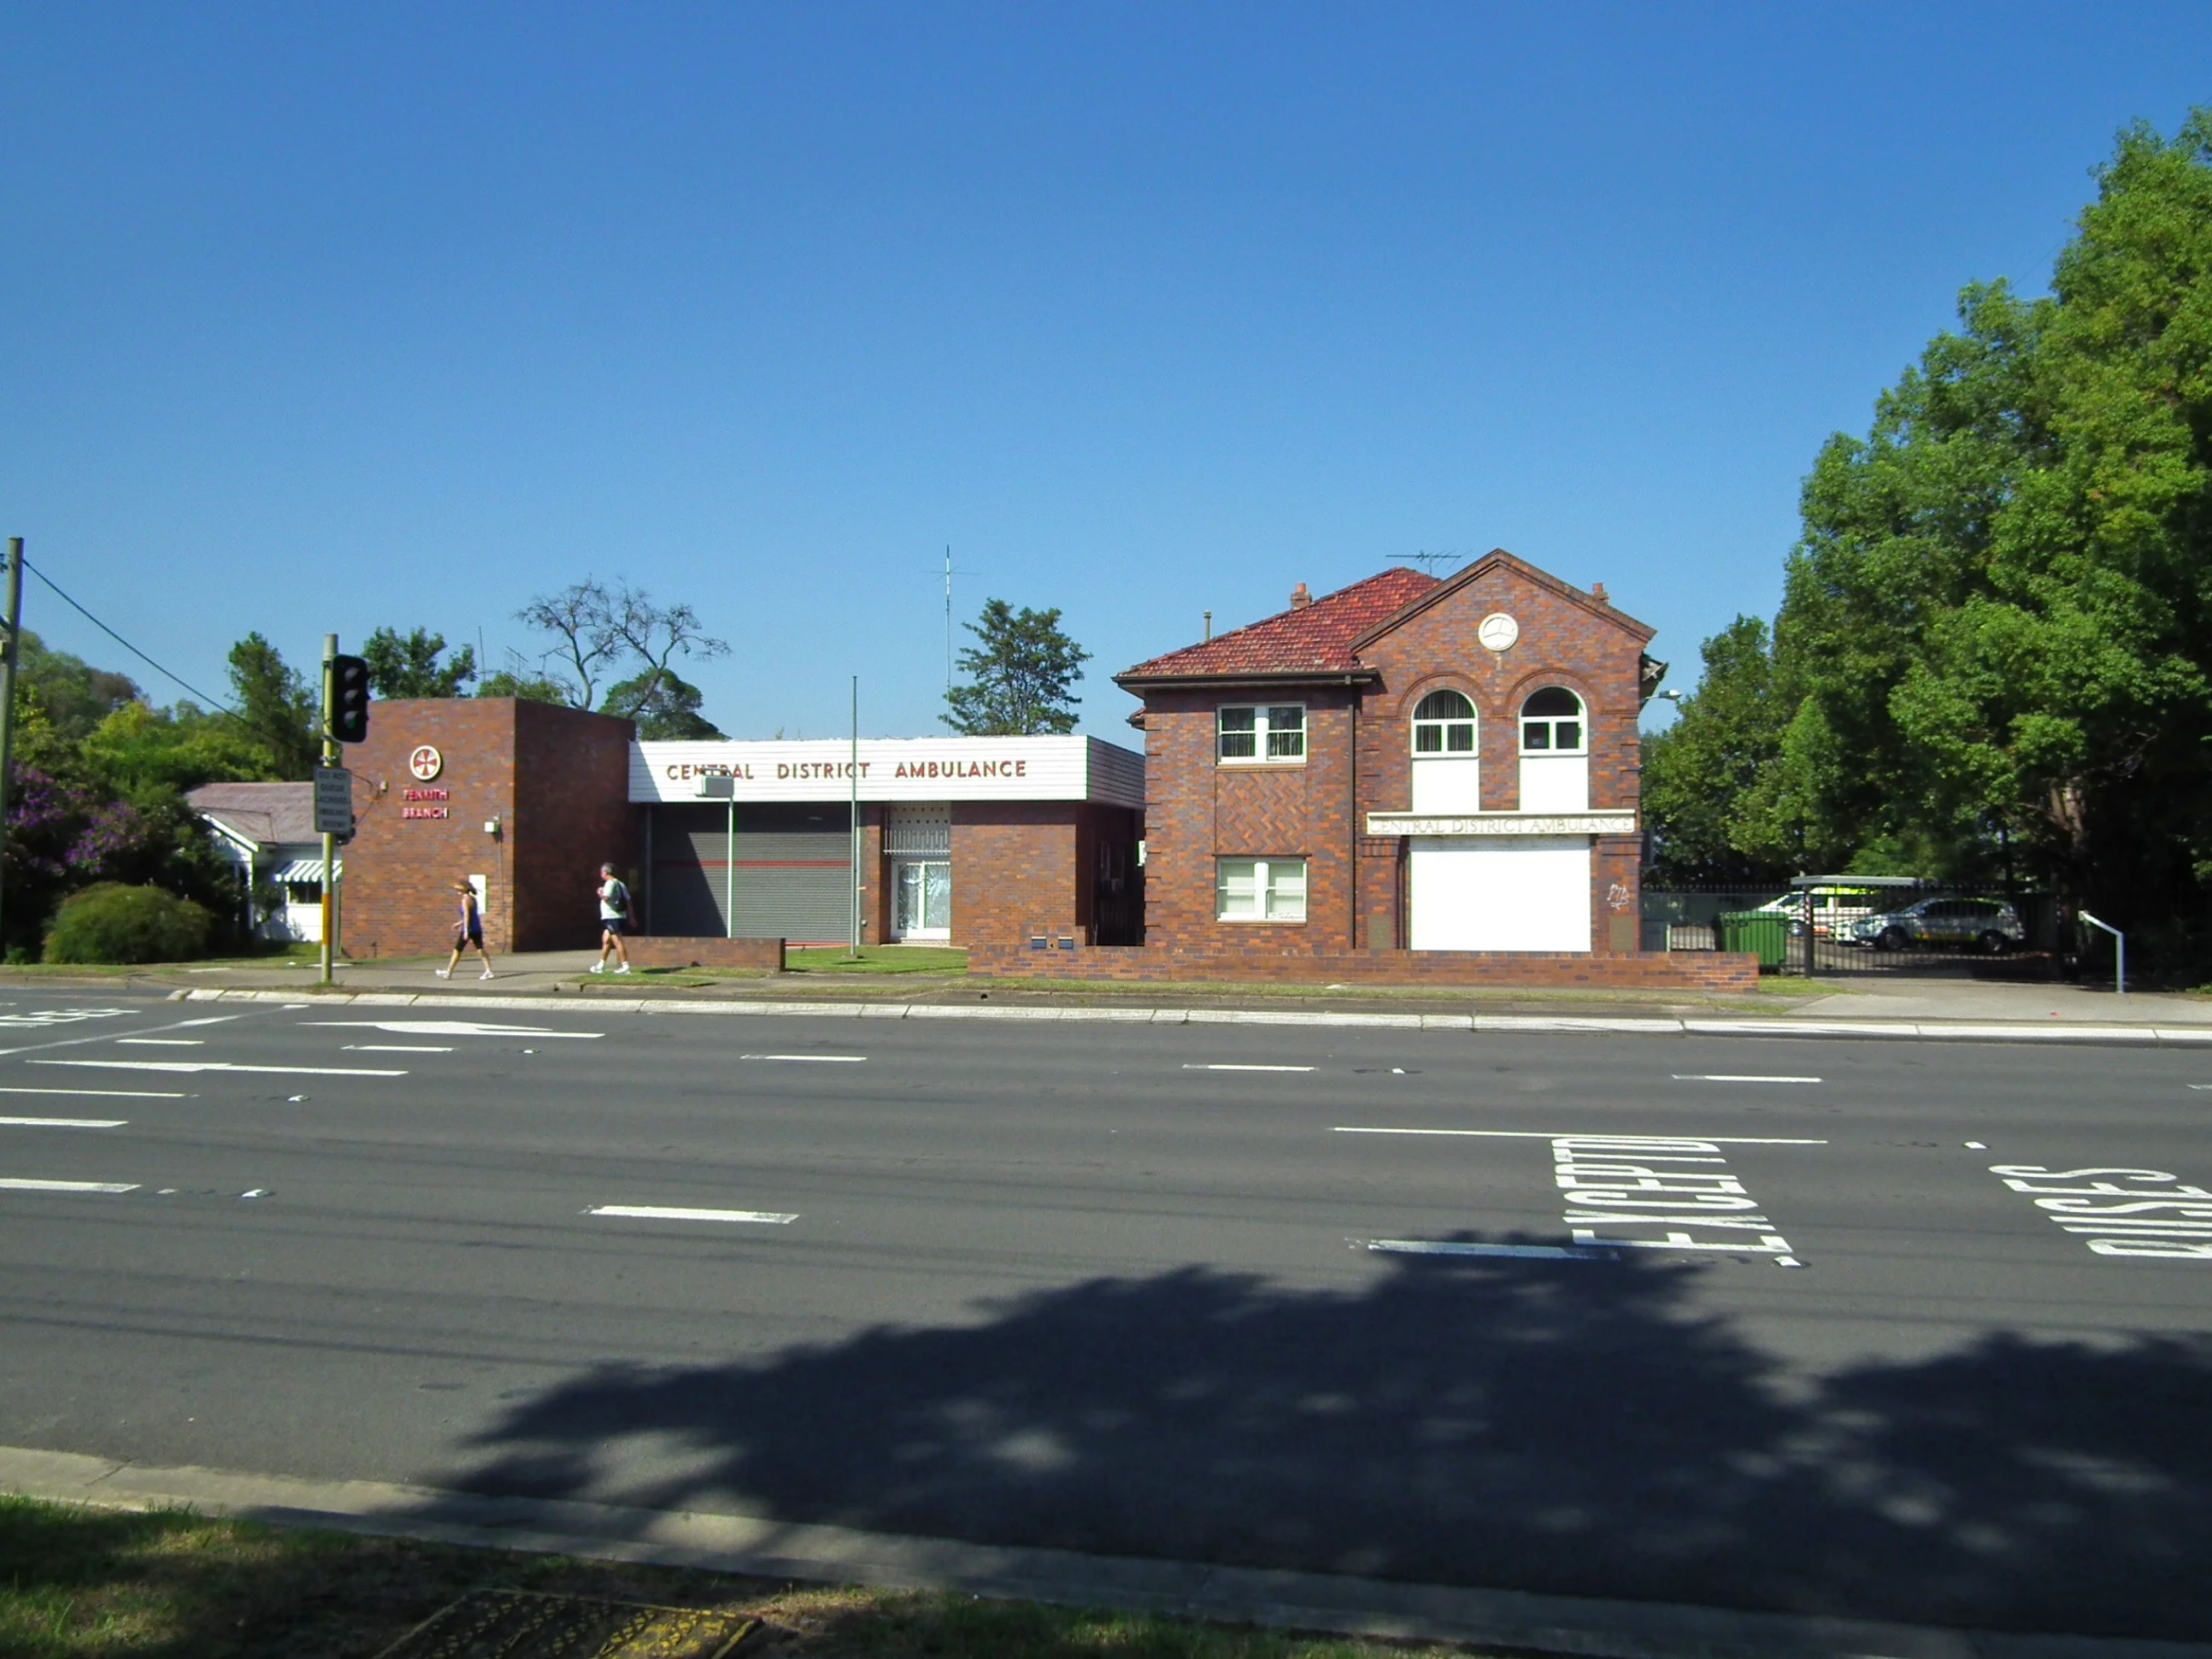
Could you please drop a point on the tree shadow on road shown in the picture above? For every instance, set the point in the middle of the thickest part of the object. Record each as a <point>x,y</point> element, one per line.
<point>1566,1427</point>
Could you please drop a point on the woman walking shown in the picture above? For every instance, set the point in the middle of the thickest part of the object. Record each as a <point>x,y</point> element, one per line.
<point>468,931</point>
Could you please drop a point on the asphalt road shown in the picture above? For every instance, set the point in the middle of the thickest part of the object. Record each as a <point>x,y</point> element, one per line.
<point>1886,1329</point>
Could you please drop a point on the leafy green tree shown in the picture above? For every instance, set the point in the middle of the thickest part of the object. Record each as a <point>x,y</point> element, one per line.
<point>1703,775</point>
<point>408,666</point>
<point>76,695</point>
<point>1020,677</point>
<point>664,706</point>
<point>531,687</point>
<point>281,711</point>
<point>1994,650</point>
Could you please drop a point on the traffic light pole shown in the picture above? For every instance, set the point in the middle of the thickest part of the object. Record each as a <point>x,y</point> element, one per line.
<point>329,842</point>
<point>7,673</point>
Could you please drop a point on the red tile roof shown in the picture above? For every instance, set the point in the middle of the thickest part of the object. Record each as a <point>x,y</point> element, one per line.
<point>1313,639</point>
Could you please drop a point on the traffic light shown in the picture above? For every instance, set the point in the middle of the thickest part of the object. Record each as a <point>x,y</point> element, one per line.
<point>349,699</point>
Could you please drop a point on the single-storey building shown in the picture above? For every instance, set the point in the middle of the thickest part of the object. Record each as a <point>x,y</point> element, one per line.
<point>266,834</point>
<point>730,840</point>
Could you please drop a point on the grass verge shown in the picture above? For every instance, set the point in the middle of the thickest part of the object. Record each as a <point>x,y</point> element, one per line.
<point>82,1583</point>
<point>877,958</point>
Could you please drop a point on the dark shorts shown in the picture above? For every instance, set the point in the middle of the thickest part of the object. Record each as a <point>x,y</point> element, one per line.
<point>474,936</point>
<point>614,924</point>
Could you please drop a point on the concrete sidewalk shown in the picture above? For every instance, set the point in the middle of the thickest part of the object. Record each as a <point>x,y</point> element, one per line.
<point>1892,997</point>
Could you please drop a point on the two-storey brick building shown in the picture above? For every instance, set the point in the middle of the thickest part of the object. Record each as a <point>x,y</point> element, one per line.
<point>1441,764</point>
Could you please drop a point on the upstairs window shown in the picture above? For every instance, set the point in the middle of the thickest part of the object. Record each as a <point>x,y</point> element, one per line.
<point>1552,723</point>
<point>1261,733</point>
<point>1443,724</point>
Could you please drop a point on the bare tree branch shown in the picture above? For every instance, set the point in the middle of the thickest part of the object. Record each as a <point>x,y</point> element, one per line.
<point>582,620</point>
<point>653,634</point>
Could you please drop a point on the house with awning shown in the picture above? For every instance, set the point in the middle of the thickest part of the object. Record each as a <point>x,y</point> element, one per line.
<point>267,832</point>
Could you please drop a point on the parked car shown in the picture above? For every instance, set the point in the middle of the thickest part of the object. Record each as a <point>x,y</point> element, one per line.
<point>1984,923</point>
<point>1835,909</point>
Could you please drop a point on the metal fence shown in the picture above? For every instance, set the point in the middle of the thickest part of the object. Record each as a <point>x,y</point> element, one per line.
<point>1872,926</point>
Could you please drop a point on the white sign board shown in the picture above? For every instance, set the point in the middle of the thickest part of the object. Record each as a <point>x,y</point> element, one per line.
<point>334,801</point>
<point>891,769</point>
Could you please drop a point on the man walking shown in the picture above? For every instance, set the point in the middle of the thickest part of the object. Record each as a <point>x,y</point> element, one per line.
<point>614,917</point>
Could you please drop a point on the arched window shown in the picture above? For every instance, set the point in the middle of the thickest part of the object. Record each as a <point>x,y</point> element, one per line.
<point>1552,723</point>
<point>1443,724</point>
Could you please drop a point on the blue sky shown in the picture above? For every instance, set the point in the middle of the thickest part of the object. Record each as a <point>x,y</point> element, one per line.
<point>323,317</point>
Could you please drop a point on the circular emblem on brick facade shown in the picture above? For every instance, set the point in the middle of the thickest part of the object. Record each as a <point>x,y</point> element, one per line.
<point>1497,632</point>
<point>426,763</point>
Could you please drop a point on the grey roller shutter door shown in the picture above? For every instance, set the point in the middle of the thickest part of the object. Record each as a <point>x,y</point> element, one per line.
<point>793,875</point>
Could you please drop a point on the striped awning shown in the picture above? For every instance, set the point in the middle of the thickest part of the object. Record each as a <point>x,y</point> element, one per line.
<point>303,869</point>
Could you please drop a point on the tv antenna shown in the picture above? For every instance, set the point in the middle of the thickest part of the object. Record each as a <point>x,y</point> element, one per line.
<point>1430,561</point>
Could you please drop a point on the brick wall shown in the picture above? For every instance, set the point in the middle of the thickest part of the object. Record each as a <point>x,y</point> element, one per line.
<point>1024,869</point>
<point>556,781</point>
<point>1625,970</point>
<point>572,813</point>
<point>674,951</point>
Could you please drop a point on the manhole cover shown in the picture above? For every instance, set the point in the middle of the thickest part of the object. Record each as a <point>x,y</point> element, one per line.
<point>520,1624</point>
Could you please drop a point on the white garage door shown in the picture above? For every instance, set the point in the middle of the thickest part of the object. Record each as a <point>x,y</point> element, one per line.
<point>1500,893</point>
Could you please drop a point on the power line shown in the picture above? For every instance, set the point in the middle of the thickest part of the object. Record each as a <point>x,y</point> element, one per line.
<point>126,644</point>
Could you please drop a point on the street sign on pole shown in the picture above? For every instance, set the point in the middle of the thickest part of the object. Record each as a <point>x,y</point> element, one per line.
<point>333,802</point>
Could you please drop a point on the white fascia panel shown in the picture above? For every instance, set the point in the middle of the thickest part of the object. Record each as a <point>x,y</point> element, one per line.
<point>1502,823</point>
<point>891,769</point>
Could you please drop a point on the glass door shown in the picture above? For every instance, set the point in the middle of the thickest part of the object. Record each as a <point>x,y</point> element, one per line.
<point>922,904</point>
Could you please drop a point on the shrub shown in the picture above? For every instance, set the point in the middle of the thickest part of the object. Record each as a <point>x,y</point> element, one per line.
<point>111,922</point>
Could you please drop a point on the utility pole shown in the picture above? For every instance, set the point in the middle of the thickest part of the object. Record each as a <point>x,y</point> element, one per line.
<point>853,778</point>
<point>949,619</point>
<point>7,691</point>
<point>329,842</point>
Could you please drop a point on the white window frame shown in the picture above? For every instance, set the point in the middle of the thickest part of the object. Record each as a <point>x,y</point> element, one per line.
<point>1274,887</point>
<point>1551,723</point>
<point>1473,720</point>
<point>1265,733</point>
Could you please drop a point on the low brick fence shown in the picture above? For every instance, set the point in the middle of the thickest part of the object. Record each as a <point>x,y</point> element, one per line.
<point>674,951</point>
<point>1642,970</point>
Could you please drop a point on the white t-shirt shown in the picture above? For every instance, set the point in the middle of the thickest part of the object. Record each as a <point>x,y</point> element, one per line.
<point>614,901</point>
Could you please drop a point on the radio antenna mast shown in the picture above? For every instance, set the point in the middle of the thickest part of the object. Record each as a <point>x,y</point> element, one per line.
<point>949,573</point>
<point>1430,561</point>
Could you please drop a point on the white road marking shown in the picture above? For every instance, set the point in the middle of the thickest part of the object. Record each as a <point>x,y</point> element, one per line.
<point>62,1016</point>
<point>452,1028</point>
<point>103,1013</point>
<point>1246,1068</point>
<point>15,1184</point>
<point>1552,1135</point>
<point>224,1065</point>
<point>401,1048</point>
<point>166,1042</point>
<point>1727,1077</point>
<point>212,1019</point>
<point>2200,1087</point>
<point>110,1094</point>
<point>664,1212</point>
<point>1433,1247</point>
<point>814,1059</point>
<point>2167,1223</point>
<point>64,1123</point>
<point>1638,1181</point>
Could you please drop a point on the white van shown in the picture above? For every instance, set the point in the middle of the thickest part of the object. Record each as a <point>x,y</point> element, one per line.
<point>1834,909</point>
